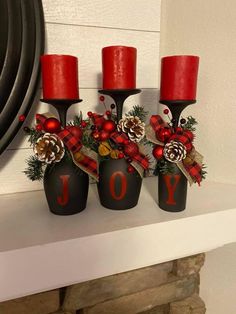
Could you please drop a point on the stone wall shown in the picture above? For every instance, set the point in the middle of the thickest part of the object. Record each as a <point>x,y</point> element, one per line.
<point>168,288</point>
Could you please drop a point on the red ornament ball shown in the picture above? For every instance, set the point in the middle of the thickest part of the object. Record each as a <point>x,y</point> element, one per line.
<point>102,98</point>
<point>131,149</point>
<point>108,112</point>
<point>166,111</point>
<point>21,118</point>
<point>109,126</point>
<point>51,125</point>
<point>104,135</point>
<point>121,155</point>
<point>76,131</point>
<point>189,134</point>
<point>158,151</point>
<point>130,169</point>
<point>163,134</point>
<point>90,114</point>
<point>39,127</point>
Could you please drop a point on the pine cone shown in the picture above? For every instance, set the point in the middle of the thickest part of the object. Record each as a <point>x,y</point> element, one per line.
<point>133,126</point>
<point>49,148</point>
<point>174,151</point>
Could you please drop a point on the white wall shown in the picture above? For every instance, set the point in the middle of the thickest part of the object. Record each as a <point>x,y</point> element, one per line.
<point>208,28</point>
<point>82,28</point>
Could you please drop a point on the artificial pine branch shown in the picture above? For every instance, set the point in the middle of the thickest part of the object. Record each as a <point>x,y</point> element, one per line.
<point>138,111</point>
<point>164,167</point>
<point>190,123</point>
<point>34,135</point>
<point>77,119</point>
<point>34,171</point>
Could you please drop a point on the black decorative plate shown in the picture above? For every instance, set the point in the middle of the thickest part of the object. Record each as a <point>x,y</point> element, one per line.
<point>21,44</point>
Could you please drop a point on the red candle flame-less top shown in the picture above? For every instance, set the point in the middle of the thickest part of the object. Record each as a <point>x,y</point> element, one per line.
<point>179,77</point>
<point>60,77</point>
<point>119,67</point>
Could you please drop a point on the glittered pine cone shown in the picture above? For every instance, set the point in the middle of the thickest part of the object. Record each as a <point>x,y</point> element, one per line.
<point>174,151</point>
<point>133,127</point>
<point>49,148</point>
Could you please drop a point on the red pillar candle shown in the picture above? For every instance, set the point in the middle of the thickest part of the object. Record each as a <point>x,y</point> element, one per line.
<point>60,77</point>
<point>179,77</point>
<point>119,67</point>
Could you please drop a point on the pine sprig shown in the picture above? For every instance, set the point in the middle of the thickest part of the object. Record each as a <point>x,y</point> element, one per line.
<point>138,111</point>
<point>35,170</point>
<point>77,119</point>
<point>164,167</point>
<point>203,172</point>
<point>190,124</point>
<point>34,135</point>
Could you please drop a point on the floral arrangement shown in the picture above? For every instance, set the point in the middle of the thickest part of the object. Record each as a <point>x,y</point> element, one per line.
<point>84,141</point>
<point>174,147</point>
<point>117,140</point>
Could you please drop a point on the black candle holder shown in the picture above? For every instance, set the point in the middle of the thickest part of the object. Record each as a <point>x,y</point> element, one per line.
<point>62,106</point>
<point>176,107</point>
<point>119,96</point>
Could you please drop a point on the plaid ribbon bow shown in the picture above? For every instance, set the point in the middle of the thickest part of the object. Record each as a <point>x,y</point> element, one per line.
<point>138,159</point>
<point>79,154</point>
<point>191,171</point>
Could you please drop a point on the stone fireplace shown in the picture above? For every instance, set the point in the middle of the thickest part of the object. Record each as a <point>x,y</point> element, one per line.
<point>167,288</point>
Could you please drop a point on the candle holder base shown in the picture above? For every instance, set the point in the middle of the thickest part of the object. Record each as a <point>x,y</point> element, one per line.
<point>61,105</point>
<point>176,107</point>
<point>119,96</point>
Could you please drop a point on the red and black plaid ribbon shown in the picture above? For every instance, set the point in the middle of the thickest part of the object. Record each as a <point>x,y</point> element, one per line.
<point>73,145</point>
<point>184,139</point>
<point>119,137</point>
<point>157,122</point>
<point>89,164</point>
<point>70,141</point>
<point>141,160</point>
<point>194,171</point>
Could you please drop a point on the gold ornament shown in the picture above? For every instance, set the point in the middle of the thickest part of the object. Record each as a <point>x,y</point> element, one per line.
<point>104,149</point>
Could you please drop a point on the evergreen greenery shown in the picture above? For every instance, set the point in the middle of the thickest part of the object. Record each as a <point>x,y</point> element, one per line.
<point>35,169</point>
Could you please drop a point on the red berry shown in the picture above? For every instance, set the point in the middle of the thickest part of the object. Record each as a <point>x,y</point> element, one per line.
<point>130,169</point>
<point>158,151</point>
<point>113,106</point>
<point>102,98</point>
<point>108,112</point>
<point>182,121</point>
<point>39,127</point>
<point>51,125</point>
<point>83,124</point>
<point>166,111</point>
<point>129,160</point>
<point>109,126</point>
<point>96,135</point>
<point>21,118</point>
<point>121,155</point>
<point>90,114</point>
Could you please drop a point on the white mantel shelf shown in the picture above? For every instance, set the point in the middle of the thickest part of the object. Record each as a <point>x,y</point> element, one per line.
<point>40,251</point>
